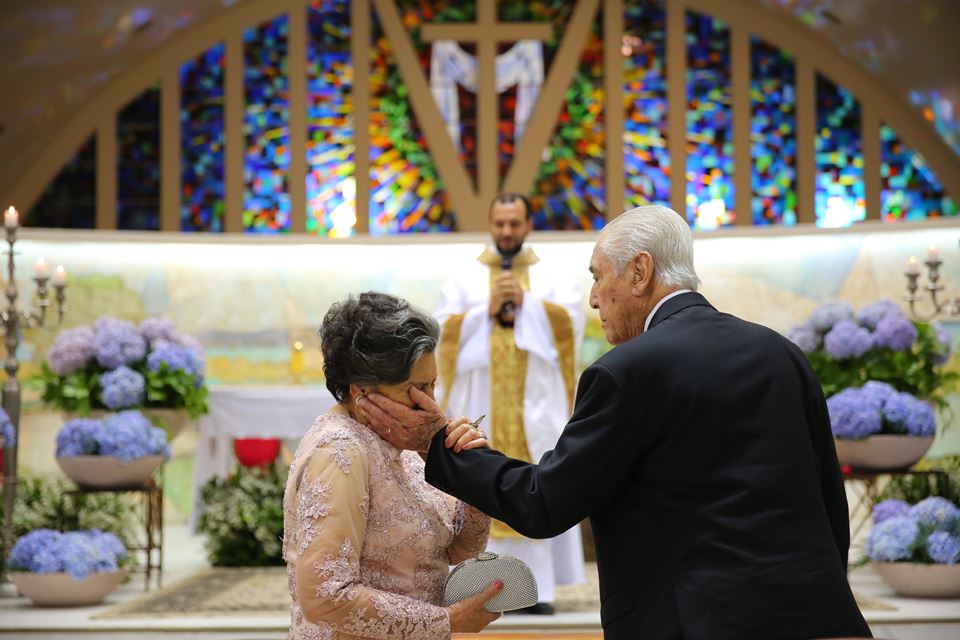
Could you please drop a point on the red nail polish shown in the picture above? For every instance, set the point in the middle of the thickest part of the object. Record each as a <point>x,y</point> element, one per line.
<point>499,584</point>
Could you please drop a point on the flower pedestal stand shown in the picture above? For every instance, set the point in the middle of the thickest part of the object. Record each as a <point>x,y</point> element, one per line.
<point>151,519</point>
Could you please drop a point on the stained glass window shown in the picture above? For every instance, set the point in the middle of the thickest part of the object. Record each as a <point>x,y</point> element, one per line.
<point>569,191</point>
<point>138,163</point>
<point>266,202</point>
<point>646,158</point>
<point>331,177</point>
<point>70,200</point>
<point>839,152</point>
<point>201,140</point>
<point>710,193</point>
<point>406,193</point>
<point>910,190</point>
<point>941,111</point>
<point>773,135</point>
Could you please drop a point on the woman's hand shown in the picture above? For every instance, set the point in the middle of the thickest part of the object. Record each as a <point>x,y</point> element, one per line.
<point>469,616</point>
<point>463,434</point>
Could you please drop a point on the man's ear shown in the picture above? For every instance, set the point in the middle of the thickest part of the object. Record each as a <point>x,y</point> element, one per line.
<point>641,273</point>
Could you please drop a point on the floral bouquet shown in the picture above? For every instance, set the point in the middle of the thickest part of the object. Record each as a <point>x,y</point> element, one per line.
<point>128,435</point>
<point>7,433</point>
<point>78,553</point>
<point>116,365</point>
<point>927,532</point>
<point>878,408</point>
<point>880,343</point>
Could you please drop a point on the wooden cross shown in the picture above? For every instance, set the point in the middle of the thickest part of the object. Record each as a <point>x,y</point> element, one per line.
<point>486,32</point>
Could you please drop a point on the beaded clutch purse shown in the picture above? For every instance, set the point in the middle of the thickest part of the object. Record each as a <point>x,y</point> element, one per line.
<point>472,576</point>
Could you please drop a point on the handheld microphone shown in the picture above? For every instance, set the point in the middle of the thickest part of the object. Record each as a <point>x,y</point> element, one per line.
<point>506,263</point>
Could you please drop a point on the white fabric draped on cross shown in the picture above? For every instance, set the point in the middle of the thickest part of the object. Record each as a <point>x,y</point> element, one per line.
<point>450,65</point>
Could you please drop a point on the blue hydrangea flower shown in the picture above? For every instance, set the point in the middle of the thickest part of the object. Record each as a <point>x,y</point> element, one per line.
<point>907,414</point>
<point>7,431</point>
<point>170,354</point>
<point>129,435</point>
<point>79,437</point>
<point>78,553</point>
<point>847,340</point>
<point>72,350</point>
<point>876,393</point>
<point>935,512</point>
<point>871,315</point>
<point>946,344</point>
<point>895,332</point>
<point>889,509</point>
<point>852,416</point>
<point>943,548</point>
<point>805,337</point>
<point>156,329</point>
<point>830,313</point>
<point>117,342</point>
<point>891,540</point>
<point>122,388</point>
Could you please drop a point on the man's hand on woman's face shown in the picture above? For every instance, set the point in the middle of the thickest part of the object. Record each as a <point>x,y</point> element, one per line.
<point>404,427</point>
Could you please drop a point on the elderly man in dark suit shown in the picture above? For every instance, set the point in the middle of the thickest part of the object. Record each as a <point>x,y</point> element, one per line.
<point>700,449</point>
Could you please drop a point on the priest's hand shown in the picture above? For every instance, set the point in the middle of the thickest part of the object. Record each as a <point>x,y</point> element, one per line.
<point>404,427</point>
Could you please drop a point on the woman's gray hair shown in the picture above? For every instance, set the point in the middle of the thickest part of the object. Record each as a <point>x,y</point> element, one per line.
<point>659,231</point>
<point>373,339</point>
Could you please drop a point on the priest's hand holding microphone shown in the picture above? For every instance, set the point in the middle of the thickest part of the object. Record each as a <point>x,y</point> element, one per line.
<point>506,295</point>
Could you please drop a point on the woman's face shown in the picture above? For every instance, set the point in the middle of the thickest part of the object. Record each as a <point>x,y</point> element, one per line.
<point>423,376</point>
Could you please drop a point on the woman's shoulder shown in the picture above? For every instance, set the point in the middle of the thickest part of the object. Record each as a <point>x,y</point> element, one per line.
<point>338,436</point>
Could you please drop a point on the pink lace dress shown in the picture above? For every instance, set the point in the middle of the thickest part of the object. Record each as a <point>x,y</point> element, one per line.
<point>367,542</point>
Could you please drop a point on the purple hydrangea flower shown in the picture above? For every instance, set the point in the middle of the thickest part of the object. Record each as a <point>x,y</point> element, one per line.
<point>71,351</point>
<point>830,313</point>
<point>7,430</point>
<point>122,388</point>
<point>896,333</point>
<point>847,340</point>
<point>891,540</point>
<point>871,315</point>
<point>129,435</point>
<point>943,548</point>
<point>78,553</point>
<point>805,337</point>
<point>877,393</point>
<point>170,354</point>
<point>117,342</point>
<point>889,509</point>
<point>852,415</point>
<point>935,512</point>
<point>79,437</point>
<point>907,414</point>
<point>154,329</point>
<point>946,345</point>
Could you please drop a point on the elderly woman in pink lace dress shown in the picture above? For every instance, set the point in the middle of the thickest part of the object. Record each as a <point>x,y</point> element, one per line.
<point>367,542</point>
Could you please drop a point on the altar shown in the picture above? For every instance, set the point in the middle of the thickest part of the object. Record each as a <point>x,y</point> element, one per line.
<point>245,411</point>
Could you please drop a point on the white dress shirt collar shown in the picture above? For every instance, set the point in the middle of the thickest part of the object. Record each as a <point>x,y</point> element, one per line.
<point>646,324</point>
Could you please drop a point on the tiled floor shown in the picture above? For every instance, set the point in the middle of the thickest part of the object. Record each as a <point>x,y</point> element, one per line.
<point>908,620</point>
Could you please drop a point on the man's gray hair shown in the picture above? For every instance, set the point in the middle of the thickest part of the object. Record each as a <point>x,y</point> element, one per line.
<point>372,340</point>
<point>659,231</point>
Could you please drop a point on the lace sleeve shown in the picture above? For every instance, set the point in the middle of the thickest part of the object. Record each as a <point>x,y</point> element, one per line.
<point>331,524</point>
<point>471,528</point>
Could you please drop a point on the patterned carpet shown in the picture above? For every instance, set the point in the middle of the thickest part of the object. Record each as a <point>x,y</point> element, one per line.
<point>263,592</point>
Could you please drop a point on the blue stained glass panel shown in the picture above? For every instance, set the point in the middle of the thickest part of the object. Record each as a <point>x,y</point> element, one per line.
<point>138,163</point>
<point>910,190</point>
<point>201,140</point>
<point>839,197</point>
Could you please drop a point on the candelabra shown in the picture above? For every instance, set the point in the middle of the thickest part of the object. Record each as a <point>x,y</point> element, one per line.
<point>948,307</point>
<point>14,320</point>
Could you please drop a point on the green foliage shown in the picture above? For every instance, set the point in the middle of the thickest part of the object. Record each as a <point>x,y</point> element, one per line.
<point>914,487</point>
<point>80,391</point>
<point>43,503</point>
<point>243,517</point>
<point>914,371</point>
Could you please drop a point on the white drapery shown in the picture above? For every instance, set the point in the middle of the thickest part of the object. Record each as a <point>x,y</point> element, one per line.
<point>450,66</point>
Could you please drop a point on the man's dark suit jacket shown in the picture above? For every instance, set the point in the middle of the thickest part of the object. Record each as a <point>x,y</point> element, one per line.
<point>701,450</point>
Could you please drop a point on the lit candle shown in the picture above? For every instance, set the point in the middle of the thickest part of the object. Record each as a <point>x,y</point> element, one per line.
<point>40,269</point>
<point>11,218</point>
<point>912,267</point>
<point>933,253</point>
<point>60,276</point>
